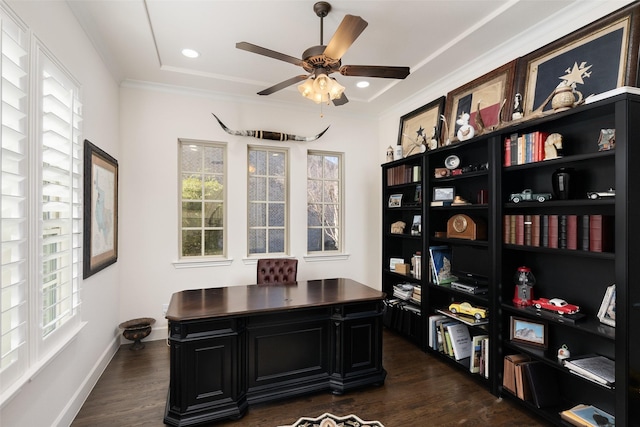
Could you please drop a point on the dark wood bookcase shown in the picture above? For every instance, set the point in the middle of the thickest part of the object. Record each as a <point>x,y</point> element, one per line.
<point>580,276</point>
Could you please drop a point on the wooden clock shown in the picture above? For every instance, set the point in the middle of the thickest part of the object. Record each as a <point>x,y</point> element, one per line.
<point>461,226</point>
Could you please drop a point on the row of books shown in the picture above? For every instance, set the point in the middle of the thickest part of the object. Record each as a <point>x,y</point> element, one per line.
<point>593,367</point>
<point>584,232</point>
<point>453,338</point>
<point>526,148</point>
<point>404,174</point>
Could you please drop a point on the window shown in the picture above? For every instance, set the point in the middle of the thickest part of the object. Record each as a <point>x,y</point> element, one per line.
<point>268,190</point>
<point>324,202</point>
<point>202,170</point>
<point>41,204</point>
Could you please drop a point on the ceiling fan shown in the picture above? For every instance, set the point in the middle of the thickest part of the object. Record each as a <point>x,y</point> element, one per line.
<point>320,61</point>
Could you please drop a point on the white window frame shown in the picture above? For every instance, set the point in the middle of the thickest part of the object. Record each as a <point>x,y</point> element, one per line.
<point>202,260</point>
<point>284,151</point>
<point>340,217</point>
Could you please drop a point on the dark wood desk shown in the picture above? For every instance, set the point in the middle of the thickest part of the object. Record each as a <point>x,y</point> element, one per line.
<point>234,346</point>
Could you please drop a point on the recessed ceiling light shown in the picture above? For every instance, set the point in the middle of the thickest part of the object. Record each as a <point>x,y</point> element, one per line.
<point>362,84</point>
<point>190,53</point>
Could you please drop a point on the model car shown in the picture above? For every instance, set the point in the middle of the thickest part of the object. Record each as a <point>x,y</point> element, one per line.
<point>528,196</point>
<point>600,194</point>
<point>555,304</point>
<point>468,309</point>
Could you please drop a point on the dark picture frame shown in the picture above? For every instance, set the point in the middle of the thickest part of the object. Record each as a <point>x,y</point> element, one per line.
<point>597,57</point>
<point>490,94</point>
<point>529,332</point>
<point>420,126</point>
<point>100,242</point>
<point>445,194</point>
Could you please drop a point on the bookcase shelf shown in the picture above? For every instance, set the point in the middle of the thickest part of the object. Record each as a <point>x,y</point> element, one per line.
<point>578,276</point>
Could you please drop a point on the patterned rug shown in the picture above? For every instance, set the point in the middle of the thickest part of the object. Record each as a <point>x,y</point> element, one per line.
<point>330,420</point>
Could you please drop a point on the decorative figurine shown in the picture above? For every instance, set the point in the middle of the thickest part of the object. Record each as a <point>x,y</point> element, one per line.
<point>398,227</point>
<point>564,97</point>
<point>445,130</point>
<point>433,141</point>
<point>465,131</point>
<point>529,196</point>
<point>563,352</point>
<point>607,140</point>
<point>517,107</point>
<point>553,146</point>
<point>525,280</point>
<point>557,305</point>
<point>389,154</point>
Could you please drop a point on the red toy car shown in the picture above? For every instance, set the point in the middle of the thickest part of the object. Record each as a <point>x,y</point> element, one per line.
<point>555,304</point>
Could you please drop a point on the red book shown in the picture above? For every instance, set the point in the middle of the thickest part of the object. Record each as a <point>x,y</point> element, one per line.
<point>553,231</point>
<point>519,229</point>
<point>601,229</point>
<point>507,152</point>
<point>572,231</point>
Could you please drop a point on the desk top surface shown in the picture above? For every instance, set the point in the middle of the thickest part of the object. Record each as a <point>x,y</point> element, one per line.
<point>238,300</point>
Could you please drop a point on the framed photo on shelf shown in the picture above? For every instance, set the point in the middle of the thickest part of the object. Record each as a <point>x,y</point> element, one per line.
<point>607,312</point>
<point>529,332</point>
<point>486,100</point>
<point>100,246</point>
<point>444,194</point>
<point>594,59</point>
<point>395,200</point>
<point>419,129</point>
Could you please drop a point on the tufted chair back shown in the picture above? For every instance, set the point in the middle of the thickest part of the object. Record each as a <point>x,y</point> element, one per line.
<point>277,270</point>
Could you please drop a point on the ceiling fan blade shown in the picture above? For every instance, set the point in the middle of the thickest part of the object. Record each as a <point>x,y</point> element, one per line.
<point>283,84</point>
<point>340,101</point>
<point>375,71</point>
<point>347,32</point>
<point>268,52</point>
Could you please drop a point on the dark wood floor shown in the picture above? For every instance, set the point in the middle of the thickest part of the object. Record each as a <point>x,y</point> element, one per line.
<point>420,390</point>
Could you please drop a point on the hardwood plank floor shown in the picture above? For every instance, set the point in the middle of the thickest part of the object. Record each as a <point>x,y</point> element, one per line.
<point>420,390</point>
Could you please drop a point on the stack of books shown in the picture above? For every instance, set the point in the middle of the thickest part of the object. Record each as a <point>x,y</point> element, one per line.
<point>416,297</point>
<point>598,369</point>
<point>587,416</point>
<point>403,291</point>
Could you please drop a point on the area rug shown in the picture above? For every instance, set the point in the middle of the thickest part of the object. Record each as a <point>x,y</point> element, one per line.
<point>330,420</point>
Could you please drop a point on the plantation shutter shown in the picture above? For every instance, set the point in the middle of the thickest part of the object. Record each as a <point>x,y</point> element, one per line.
<point>61,228</point>
<point>14,308</point>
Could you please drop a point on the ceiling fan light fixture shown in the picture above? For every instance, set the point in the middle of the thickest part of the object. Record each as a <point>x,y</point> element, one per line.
<point>321,88</point>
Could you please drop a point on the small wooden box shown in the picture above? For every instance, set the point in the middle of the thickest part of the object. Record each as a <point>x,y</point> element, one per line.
<point>402,268</point>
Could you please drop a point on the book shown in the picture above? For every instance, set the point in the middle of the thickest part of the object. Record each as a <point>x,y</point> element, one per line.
<point>433,331</point>
<point>528,224</point>
<point>476,353</point>
<point>460,340</point>
<point>507,151</point>
<point>572,231</point>
<point>562,231</point>
<point>509,371</point>
<point>601,229</point>
<point>553,231</point>
<point>523,389</point>
<point>584,233</point>
<point>519,229</point>
<point>543,384</point>
<point>544,231</point>
<point>484,359</point>
<point>596,367</point>
<point>506,229</point>
<point>535,230</point>
<point>440,259</point>
<point>588,416</point>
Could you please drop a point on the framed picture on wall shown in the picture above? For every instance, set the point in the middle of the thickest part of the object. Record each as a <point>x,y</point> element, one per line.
<point>485,100</point>
<point>100,248</point>
<point>594,59</point>
<point>419,129</point>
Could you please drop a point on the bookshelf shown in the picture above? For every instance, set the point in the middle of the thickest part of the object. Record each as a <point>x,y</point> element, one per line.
<point>574,268</point>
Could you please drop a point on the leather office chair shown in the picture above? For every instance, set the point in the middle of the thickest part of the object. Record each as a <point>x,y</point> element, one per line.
<point>277,270</point>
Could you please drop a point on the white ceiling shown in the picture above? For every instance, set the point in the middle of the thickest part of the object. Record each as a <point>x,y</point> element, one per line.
<point>141,41</point>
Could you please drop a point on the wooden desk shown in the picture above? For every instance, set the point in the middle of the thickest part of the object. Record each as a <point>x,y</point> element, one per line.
<point>239,345</point>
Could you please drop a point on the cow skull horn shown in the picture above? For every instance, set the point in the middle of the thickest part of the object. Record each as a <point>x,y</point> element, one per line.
<point>275,136</point>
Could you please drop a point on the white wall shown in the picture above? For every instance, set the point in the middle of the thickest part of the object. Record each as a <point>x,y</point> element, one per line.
<point>153,119</point>
<point>54,395</point>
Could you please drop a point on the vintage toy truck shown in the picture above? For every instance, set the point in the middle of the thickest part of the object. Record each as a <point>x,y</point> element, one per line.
<point>529,196</point>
